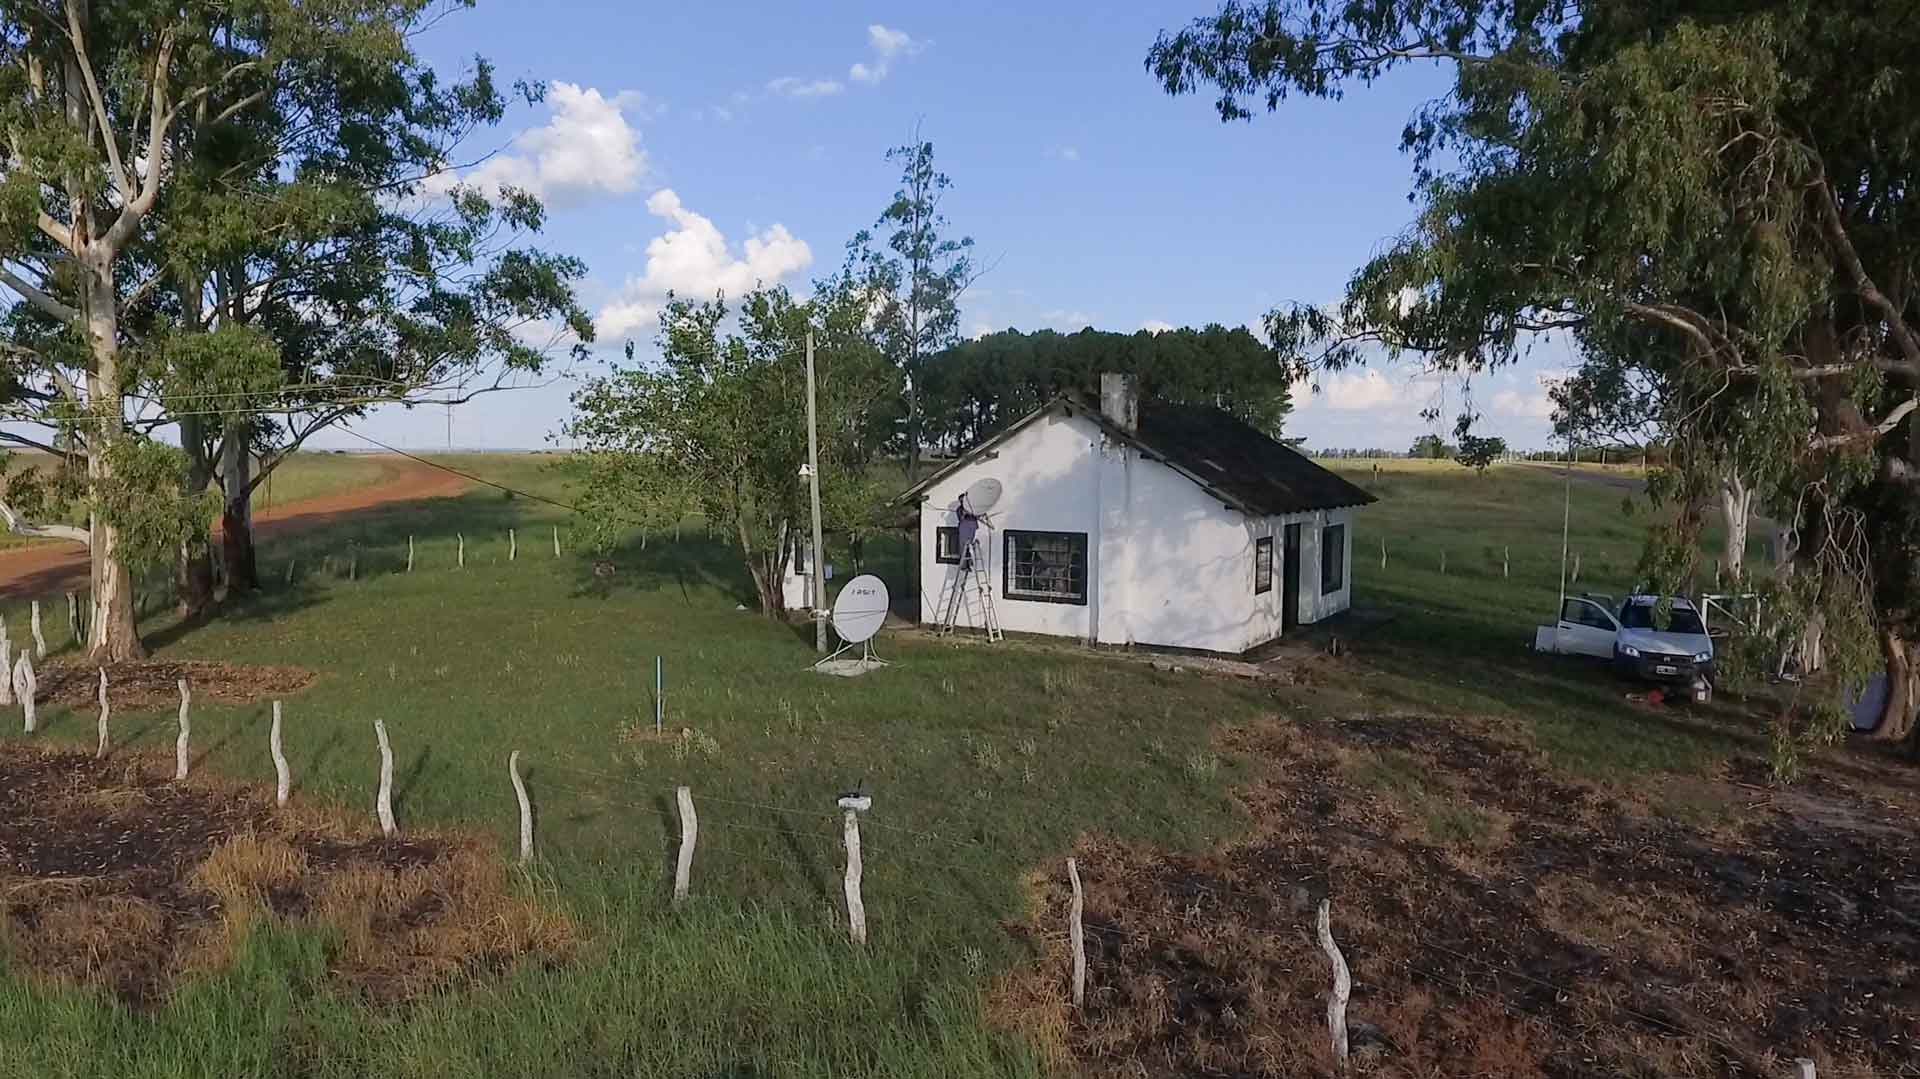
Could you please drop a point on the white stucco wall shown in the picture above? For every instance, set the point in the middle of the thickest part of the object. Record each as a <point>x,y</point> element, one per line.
<point>1177,565</point>
<point>1167,563</point>
<point>1314,604</point>
<point>1049,487</point>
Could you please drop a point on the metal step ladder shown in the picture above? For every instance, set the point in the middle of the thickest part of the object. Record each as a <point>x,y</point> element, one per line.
<point>968,591</point>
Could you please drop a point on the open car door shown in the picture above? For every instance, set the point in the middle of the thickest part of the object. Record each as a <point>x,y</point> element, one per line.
<point>1585,629</point>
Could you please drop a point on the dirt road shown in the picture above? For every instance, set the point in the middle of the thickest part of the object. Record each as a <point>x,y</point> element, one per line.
<point>44,568</point>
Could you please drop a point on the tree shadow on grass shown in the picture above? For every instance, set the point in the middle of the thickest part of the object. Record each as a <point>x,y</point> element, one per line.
<point>660,563</point>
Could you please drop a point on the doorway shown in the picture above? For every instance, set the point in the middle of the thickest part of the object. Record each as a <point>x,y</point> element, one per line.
<point>1290,577</point>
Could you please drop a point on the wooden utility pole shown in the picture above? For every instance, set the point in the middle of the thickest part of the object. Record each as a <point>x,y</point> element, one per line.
<point>813,490</point>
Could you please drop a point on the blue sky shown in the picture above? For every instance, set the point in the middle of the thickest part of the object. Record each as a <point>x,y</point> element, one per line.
<point>698,147</point>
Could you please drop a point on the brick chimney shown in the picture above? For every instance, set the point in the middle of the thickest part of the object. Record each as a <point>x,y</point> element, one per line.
<point>1119,401</point>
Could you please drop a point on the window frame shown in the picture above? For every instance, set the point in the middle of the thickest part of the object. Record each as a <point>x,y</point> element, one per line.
<point>1338,552</point>
<point>942,534</point>
<point>1611,624</point>
<point>1262,560</point>
<point>1077,555</point>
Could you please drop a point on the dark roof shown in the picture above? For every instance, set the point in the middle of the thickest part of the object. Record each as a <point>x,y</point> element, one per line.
<point>1237,463</point>
<point>1226,454</point>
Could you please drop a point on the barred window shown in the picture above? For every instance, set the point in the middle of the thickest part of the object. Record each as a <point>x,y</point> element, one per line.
<point>946,545</point>
<point>1050,567</point>
<point>1262,565</point>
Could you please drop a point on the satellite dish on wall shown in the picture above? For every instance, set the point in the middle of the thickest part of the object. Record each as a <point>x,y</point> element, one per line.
<point>860,609</point>
<point>982,496</point>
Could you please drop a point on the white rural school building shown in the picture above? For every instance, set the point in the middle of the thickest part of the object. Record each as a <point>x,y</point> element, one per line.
<point>1142,522</point>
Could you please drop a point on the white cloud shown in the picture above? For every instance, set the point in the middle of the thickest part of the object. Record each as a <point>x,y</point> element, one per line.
<point>694,259</point>
<point>789,86</point>
<point>888,45</point>
<point>1067,320</point>
<point>1156,325</point>
<point>1361,391</point>
<point>1533,404</point>
<point>1068,153</point>
<point>586,147</point>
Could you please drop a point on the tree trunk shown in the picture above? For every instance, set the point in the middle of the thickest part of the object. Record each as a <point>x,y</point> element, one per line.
<point>1898,716</point>
<point>766,577</point>
<point>236,511</point>
<point>112,636</point>
<point>1736,505</point>
<point>193,562</point>
<point>193,577</point>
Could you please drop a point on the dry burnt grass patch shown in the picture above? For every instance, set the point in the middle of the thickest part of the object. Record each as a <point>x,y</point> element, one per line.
<point>1498,919</point>
<point>154,683</point>
<point>114,875</point>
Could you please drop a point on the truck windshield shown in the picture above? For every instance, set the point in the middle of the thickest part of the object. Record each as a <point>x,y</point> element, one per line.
<point>1679,619</point>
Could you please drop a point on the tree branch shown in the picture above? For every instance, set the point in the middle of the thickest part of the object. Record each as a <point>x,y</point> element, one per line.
<point>1849,257</point>
<point>33,443</point>
<point>140,291</point>
<point>267,465</point>
<point>227,113</point>
<point>20,526</point>
<point>39,299</point>
<point>54,230</point>
<point>133,210</point>
<point>122,180</point>
<point>1879,430</point>
<point>1679,318</point>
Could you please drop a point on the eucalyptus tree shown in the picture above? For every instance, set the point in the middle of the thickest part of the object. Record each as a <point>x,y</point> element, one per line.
<point>90,104</point>
<point>324,219</point>
<point>227,217</point>
<point>1728,184</point>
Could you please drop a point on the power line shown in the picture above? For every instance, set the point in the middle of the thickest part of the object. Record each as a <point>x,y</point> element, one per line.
<point>515,491</point>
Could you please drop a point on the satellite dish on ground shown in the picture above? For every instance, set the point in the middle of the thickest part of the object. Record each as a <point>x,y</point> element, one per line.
<point>860,609</point>
<point>982,496</point>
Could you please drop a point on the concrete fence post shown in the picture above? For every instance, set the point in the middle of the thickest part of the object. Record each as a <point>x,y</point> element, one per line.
<point>73,617</point>
<point>291,563</point>
<point>556,541</point>
<point>852,805</point>
<point>409,554</point>
<point>6,669</point>
<point>526,807</point>
<point>1506,562</point>
<point>1575,578</point>
<point>39,639</point>
<point>383,802</point>
<point>24,685</point>
<point>462,556</point>
<point>283,776</point>
<point>689,834</point>
<point>513,545</point>
<point>1077,937</point>
<point>1342,984</point>
<point>101,751</point>
<point>1803,1069</point>
<point>1383,552</point>
<point>180,743</point>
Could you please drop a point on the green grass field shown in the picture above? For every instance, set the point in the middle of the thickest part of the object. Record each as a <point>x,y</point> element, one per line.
<point>983,763</point>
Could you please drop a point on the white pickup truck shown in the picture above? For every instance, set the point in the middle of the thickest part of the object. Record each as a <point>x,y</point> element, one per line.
<point>1633,637</point>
